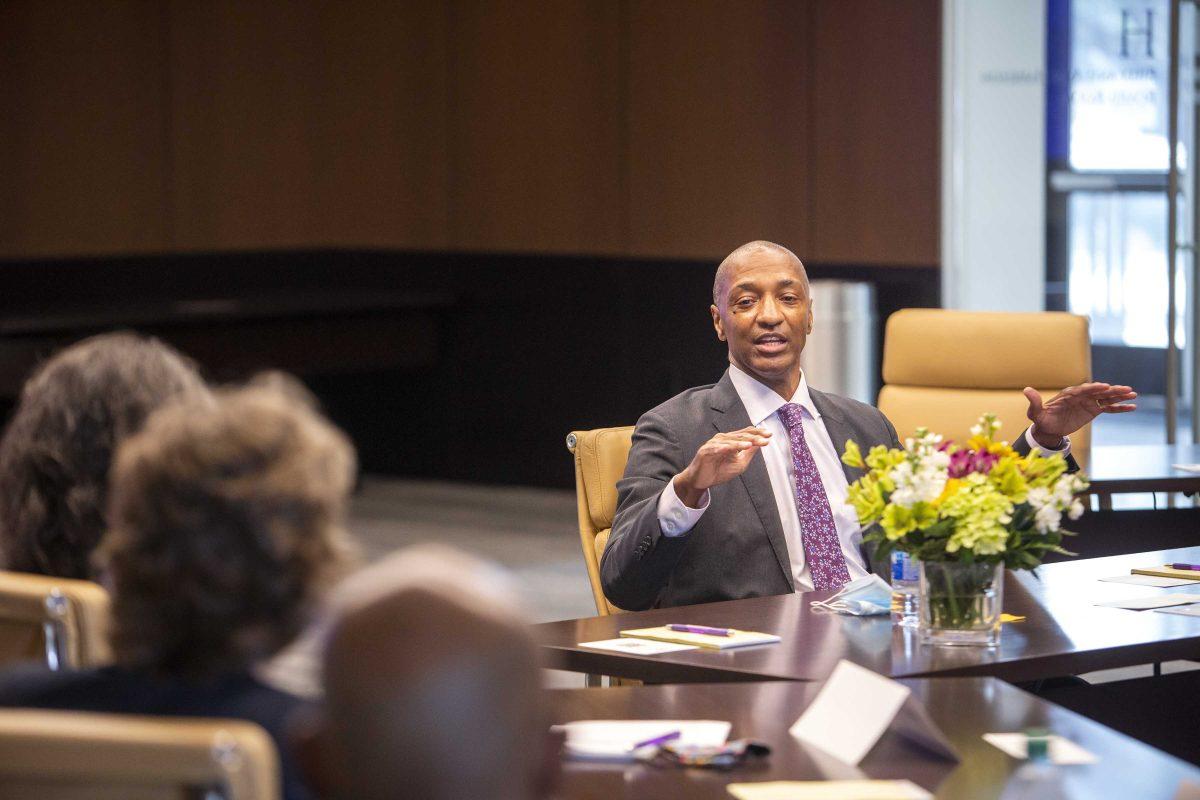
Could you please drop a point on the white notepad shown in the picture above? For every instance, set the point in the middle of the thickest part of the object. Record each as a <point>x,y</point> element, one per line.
<point>614,739</point>
<point>638,647</point>
<point>1157,601</point>
<point>829,790</point>
<point>1150,580</point>
<point>736,638</point>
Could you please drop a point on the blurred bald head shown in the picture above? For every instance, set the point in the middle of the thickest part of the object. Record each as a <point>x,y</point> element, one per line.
<point>432,691</point>
<point>749,250</point>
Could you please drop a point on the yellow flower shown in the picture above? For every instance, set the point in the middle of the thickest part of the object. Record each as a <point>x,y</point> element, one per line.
<point>880,458</point>
<point>853,456</point>
<point>897,521</point>
<point>1006,475</point>
<point>951,489</point>
<point>866,496</point>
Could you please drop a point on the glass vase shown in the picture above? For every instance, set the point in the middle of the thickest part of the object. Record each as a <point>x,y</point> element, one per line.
<point>960,603</point>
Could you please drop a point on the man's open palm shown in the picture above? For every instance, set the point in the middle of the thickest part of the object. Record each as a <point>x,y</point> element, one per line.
<point>1076,406</point>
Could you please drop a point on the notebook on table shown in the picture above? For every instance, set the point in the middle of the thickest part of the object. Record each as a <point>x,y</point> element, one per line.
<point>736,638</point>
<point>1167,571</point>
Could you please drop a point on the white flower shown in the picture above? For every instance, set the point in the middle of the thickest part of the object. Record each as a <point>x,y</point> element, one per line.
<point>1047,519</point>
<point>1076,510</point>
<point>920,484</point>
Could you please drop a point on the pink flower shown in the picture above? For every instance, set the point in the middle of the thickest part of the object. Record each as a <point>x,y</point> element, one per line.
<point>964,462</point>
<point>984,461</point>
<point>961,463</point>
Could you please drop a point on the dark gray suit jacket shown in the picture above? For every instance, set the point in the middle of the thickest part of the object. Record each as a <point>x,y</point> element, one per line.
<point>737,549</point>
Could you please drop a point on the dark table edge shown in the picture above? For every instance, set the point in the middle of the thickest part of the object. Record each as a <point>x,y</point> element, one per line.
<point>1025,669</point>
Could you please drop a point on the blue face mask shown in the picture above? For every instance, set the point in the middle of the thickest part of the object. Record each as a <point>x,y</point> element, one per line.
<point>861,597</point>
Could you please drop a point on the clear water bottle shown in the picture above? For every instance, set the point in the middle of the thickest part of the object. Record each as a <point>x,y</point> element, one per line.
<point>905,585</point>
<point>1038,778</point>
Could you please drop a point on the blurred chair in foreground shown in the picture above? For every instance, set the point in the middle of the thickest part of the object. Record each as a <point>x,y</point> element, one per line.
<point>66,755</point>
<point>600,457</point>
<point>60,622</point>
<point>942,369</point>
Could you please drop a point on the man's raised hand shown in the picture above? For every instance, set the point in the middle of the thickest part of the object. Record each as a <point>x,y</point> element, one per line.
<point>720,459</point>
<point>1074,407</point>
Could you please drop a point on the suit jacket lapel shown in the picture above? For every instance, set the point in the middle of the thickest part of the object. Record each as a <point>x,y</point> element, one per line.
<point>730,415</point>
<point>837,428</point>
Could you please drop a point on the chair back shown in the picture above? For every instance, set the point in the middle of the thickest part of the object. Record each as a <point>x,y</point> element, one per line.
<point>69,755</point>
<point>600,457</point>
<point>60,621</point>
<point>942,369</point>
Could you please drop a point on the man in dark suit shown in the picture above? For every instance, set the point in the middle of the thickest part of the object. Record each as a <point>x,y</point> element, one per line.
<point>700,519</point>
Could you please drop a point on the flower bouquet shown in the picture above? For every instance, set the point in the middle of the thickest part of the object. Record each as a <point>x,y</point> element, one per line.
<point>964,511</point>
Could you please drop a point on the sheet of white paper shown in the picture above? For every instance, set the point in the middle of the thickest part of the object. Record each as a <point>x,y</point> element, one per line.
<point>829,790</point>
<point>850,713</point>
<point>1187,611</point>
<point>613,740</point>
<point>1150,580</point>
<point>1062,751</point>
<point>1187,467</point>
<point>1157,601</point>
<point>639,647</point>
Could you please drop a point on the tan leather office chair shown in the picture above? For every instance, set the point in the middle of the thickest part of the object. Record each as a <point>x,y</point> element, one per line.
<point>60,621</point>
<point>68,755</point>
<point>600,457</point>
<point>942,369</point>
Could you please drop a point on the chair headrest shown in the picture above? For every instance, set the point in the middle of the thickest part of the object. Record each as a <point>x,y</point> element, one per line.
<point>985,350</point>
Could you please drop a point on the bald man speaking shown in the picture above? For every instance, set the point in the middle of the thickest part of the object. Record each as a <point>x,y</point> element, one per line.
<point>737,489</point>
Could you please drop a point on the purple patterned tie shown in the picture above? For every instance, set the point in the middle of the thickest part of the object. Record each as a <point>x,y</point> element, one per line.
<point>822,551</point>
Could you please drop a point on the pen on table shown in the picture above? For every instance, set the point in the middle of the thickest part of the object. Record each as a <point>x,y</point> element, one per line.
<point>666,737</point>
<point>702,629</point>
<point>1186,566</point>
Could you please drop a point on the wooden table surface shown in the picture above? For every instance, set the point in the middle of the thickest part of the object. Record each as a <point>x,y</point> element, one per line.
<point>965,709</point>
<point>1121,469</point>
<point>1063,633</point>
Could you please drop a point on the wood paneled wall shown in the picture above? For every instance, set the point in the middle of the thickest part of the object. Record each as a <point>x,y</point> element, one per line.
<point>642,128</point>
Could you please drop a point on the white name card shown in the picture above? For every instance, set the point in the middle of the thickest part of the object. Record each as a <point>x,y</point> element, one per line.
<point>856,707</point>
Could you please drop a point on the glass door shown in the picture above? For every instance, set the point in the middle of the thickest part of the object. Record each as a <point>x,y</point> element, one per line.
<point>1107,159</point>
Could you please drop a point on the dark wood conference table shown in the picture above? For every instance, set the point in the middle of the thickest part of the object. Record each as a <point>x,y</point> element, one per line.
<point>965,709</point>
<point>1124,469</point>
<point>1063,633</point>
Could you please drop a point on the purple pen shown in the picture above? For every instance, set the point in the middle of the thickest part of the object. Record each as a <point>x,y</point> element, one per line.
<point>1186,566</point>
<point>666,737</point>
<point>702,629</point>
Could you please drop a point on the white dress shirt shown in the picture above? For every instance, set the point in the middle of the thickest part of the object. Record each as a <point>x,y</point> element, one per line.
<point>762,405</point>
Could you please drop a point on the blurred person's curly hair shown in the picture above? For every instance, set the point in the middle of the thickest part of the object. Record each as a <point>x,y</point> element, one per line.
<point>226,527</point>
<point>56,452</point>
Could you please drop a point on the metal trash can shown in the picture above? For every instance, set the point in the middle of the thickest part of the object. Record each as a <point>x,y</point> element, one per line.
<point>840,356</point>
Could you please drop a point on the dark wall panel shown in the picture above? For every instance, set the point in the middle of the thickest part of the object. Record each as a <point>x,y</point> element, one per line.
<point>719,119</point>
<point>82,128</point>
<point>875,77</point>
<point>467,366</point>
<point>308,124</point>
<point>536,125</point>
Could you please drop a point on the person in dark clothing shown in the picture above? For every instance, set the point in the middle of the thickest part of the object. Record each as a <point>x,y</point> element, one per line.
<point>226,528</point>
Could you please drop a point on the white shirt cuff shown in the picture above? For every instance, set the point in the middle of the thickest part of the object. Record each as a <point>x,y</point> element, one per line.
<point>1065,450</point>
<point>674,517</point>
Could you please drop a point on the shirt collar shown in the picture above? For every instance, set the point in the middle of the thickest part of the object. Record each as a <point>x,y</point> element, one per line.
<point>761,401</point>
